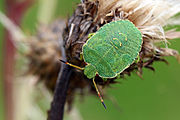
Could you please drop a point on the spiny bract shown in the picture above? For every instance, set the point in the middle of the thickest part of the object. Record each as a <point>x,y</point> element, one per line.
<point>112,49</point>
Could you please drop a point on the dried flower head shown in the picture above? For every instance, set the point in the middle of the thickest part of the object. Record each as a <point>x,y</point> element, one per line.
<point>149,16</point>
<point>44,53</point>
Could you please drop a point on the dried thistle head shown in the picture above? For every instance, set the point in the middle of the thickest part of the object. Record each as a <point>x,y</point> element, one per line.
<point>44,53</point>
<point>149,16</point>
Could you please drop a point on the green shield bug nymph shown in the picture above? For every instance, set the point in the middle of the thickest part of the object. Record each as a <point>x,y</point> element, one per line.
<point>112,49</point>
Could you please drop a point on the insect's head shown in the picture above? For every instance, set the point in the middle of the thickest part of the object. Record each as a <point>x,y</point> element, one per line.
<point>90,71</point>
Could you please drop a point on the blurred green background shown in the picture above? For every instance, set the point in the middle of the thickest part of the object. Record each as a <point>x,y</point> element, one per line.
<point>1,69</point>
<point>157,97</point>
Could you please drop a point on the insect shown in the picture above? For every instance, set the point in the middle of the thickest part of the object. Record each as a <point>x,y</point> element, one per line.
<point>109,51</point>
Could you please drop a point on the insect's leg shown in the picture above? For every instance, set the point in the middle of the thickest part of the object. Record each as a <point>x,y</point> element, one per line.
<point>90,35</point>
<point>137,59</point>
<point>81,56</point>
<point>75,66</point>
<point>102,101</point>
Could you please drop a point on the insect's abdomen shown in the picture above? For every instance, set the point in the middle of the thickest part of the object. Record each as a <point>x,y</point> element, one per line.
<point>118,43</point>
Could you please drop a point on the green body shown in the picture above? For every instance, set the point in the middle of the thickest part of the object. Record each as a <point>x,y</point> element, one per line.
<point>112,49</point>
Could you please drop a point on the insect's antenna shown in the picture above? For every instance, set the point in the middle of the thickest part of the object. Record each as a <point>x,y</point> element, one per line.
<point>102,101</point>
<point>75,66</point>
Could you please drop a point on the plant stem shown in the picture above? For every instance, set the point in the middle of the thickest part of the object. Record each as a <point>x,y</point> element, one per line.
<point>57,106</point>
